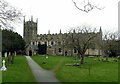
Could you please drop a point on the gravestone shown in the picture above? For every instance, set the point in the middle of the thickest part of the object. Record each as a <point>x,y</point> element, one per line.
<point>5,54</point>
<point>46,57</point>
<point>3,67</point>
<point>10,58</point>
<point>15,54</point>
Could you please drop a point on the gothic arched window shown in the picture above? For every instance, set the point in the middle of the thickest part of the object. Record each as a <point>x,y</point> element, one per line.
<point>33,43</point>
<point>60,50</point>
<point>52,43</point>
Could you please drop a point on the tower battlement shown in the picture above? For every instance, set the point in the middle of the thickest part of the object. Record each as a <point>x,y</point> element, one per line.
<point>55,42</point>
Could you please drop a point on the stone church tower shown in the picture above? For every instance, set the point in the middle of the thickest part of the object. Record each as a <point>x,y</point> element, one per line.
<point>30,30</point>
<point>55,42</point>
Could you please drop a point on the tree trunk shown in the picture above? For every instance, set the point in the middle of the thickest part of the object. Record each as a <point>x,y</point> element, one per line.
<point>12,59</point>
<point>107,58</point>
<point>79,56</point>
<point>8,57</point>
<point>82,59</point>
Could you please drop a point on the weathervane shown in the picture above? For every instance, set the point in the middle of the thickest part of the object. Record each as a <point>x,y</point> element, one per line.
<point>85,5</point>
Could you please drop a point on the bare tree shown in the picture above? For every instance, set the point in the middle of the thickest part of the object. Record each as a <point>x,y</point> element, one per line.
<point>109,43</point>
<point>80,38</point>
<point>85,6</point>
<point>8,14</point>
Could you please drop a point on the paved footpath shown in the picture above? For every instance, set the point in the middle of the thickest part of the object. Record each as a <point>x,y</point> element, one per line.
<point>40,74</point>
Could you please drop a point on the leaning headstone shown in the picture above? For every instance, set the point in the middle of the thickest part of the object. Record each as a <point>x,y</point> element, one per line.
<point>3,67</point>
<point>5,54</point>
<point>46,57</point>
<point>15,53</point>
<point>9,54</point>
<point>118,57</point>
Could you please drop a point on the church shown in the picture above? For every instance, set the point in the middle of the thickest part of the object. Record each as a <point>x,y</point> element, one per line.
<point>54,42</point>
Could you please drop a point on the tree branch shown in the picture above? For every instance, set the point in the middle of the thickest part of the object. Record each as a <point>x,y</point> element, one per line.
<point>88,7</point>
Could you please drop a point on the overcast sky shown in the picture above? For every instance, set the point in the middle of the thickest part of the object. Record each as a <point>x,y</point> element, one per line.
<point>54,15</point>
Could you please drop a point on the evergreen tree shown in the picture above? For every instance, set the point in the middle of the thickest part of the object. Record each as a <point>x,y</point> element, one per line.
<point>11,42</point>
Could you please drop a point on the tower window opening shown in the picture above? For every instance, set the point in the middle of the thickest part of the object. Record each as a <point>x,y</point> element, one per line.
<point>60,50</point>
<point>52,43</point>
<point>33,43</point>
<point>75,51</point>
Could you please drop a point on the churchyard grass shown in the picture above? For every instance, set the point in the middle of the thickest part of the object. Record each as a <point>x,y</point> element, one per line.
<point>91,71</point>
<point>18,72</point>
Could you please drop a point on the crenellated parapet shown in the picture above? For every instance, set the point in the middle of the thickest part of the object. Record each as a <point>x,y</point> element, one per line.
<point>56,43</point>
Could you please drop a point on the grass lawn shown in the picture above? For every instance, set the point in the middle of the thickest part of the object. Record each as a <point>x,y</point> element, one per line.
<point>91,71</point>
<point>18,72</point>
